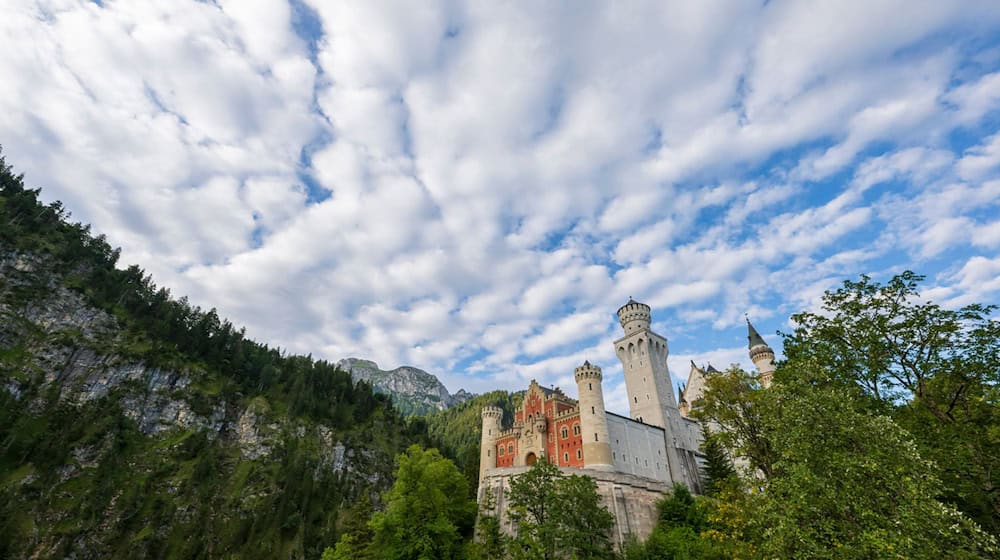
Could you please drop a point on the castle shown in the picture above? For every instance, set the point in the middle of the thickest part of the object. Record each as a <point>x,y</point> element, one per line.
<point>634,459</point>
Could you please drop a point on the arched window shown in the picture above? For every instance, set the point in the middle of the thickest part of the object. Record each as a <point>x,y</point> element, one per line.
<point>576,429</point>
<point>510,448</point>
<point>579,454</point>
<point>636,399</point>
<point>592,410</point>
<point>565,433</point>
<point>501,452</point>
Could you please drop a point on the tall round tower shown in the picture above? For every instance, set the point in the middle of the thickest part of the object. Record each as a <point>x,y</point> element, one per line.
<point>761,355</point>
<point>491,428</point>
<point>593,420</point>
<point>634,316</point>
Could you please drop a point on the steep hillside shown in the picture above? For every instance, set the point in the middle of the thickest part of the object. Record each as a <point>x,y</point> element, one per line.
<point>133,425</point>
<point>413,390</point>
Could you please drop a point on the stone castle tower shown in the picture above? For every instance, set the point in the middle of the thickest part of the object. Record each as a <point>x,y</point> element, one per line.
<point>593,420</point>
<point>492,416</point>
<point>761,355</point>
<point>643,355</point>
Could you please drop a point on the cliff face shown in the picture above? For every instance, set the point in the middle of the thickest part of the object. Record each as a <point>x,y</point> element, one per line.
<point>106,455</point>
<point>413,390</point>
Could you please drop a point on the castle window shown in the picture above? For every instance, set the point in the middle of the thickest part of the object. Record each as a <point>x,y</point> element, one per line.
<point>595,437</point>
<point>576,429</point>
<point>488,453</point>
<point>510,448</point>
<point>636,399</point>
<point>637,460</point>
<point>614,455</point>
<point>590,386</point>
<point>565,433</point>
<point>565,457</point>
<point>579,454</point>
<point>592,410</point>
<point>647,396</point>
<point>501,452</point>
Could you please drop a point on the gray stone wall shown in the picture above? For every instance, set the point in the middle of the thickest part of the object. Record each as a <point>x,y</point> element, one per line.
<point>630,499</point>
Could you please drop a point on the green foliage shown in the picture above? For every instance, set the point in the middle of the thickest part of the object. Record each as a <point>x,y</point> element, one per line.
<point>732,402</point>
<point>427,514</point>
<point>859,491</point>
<point>557,516</point>
<point>718,471</point>
<point>491,543</point>
<point>843,481</point>
<point>680,532</point>
<point>935,371</point>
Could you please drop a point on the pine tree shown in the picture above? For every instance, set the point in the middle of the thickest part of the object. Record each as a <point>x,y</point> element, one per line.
<point>718,468</point>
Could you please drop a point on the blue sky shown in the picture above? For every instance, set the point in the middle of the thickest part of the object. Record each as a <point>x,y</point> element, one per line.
<point>475,188</point>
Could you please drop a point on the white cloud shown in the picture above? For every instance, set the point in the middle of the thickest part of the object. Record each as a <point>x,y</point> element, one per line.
<point>476,188</point>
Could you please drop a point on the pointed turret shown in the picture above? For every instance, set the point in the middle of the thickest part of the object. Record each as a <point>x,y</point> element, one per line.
<point>761,355</point>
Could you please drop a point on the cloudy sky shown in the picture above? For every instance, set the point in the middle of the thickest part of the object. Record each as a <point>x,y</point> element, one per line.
<point>475,188</point>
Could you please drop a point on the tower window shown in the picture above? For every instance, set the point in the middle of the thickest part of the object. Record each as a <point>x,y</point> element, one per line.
<point>576,429</point>
<point>595,437</point>
<point>636,399</point>
<point>592,410</point>
<point>488,454</point>
<point>565,433</point>
<point>510,448</point>
<point>501,452</point>
<point>647,396</point>
<point>590,386</point>
<point>579,454</point>
<point>565,457</point>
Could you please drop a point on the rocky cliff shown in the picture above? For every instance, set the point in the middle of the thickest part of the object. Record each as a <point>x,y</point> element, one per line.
<point>413,390</point>
<point>108,454</point>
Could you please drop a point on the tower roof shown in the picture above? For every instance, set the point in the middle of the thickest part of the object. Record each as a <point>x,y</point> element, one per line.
<point>753,337</point>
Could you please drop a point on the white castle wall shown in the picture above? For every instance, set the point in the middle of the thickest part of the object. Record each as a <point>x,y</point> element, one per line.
<point>638,449</point>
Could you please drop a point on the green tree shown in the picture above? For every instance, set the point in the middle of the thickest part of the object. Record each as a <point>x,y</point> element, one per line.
<point>732,401</point>
<point>936,371</point>
<point>680,531</point>
<point>356,539</point>
<point>718,470</point>
<point>557,516</point>
<point>490,542</point>
<point>428,513</point>
<point>850,483</point>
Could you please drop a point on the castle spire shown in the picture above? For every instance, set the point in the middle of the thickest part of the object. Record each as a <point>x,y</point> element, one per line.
<point>761,355</point>
<point>753,337</point>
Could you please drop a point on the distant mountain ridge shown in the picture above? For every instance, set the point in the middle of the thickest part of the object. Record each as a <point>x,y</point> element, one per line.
<point>413,390</point>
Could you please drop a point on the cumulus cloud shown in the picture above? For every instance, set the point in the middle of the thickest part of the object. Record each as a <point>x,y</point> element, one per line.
<point>475,188</point>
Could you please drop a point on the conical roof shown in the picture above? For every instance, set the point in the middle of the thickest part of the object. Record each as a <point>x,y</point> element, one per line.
<point>753,337</point>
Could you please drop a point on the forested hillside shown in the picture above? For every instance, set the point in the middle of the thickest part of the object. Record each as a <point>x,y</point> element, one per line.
<point>136,425</point>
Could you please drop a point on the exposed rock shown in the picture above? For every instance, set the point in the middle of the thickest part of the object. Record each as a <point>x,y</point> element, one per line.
<point>253,445</point>
<point>412,389</point>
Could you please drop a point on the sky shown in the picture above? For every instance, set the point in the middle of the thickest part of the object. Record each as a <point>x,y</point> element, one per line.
<point>475,188</point>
